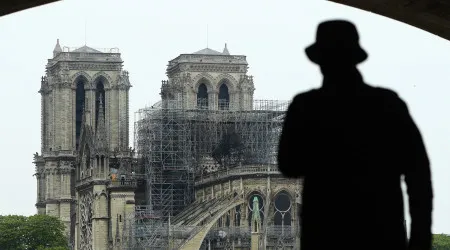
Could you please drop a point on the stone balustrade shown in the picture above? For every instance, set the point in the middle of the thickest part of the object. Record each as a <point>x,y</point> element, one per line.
<point>238,171</point>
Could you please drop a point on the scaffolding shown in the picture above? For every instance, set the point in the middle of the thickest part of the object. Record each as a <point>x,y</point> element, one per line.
<point>176,144</point>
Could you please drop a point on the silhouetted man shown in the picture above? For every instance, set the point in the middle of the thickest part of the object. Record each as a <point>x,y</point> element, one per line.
<point>352,143</point>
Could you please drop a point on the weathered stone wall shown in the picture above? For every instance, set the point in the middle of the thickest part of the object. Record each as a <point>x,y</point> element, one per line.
<point>55,165</point>
<point>119,209</point>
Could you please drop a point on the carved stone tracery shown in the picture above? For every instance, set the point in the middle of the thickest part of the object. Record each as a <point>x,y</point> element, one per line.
<point>86,214</point>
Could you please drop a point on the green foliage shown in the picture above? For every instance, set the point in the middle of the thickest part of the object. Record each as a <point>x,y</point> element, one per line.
<point>12,232</point>
<point>52,248</point>
<point>37,232</point>
<point>441,242</point>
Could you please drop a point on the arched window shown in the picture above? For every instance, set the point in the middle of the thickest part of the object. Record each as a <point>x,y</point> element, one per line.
<point>202,97</point>
<point>102,164</point>
<point>99,96</point>
<point>251,205</point>
<point>224,97</point>
<point>79,104</point>
<point>237,216</point>
<point>283,208</point>
<point>227,219</point>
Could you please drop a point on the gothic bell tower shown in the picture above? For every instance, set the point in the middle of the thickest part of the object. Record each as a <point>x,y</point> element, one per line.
<point>209,79</point>
<point>82,88</point>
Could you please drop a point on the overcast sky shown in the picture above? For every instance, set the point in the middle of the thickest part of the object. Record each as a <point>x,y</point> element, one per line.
<point>272,36</point>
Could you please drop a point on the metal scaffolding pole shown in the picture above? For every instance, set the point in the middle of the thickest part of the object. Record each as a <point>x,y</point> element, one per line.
<point>175,144</point>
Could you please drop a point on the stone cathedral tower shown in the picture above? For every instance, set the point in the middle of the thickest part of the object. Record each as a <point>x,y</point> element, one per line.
<point>209,79</point>
<point>83,171</point>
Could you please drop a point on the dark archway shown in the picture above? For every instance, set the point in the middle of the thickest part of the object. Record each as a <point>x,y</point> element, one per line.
<point>79,107</point>
<point>202,96</point>
<point>224,97</point>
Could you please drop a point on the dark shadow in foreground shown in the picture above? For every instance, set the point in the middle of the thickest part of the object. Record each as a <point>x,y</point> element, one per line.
<point>352,143</point>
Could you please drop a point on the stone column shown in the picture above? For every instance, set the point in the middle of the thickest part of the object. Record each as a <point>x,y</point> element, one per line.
<point>123,118</point>
<point>213,99</point>
<point>77,229</point>
<point>100,218</point>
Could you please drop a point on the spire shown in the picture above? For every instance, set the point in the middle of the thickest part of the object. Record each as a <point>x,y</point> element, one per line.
<point>256,219</point>
<point>101,142</point>
<point>225,50</point>
<point>57,48</point>
<point>83,121</point>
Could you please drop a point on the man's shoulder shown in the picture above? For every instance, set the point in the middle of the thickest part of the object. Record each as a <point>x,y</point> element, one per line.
<point>305,95</point>
<point>380,92</point>
<point>385,92</point>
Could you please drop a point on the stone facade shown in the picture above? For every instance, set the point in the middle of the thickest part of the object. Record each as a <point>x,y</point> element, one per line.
<point>207,125</point>
<point>84,144</point>
<point>89,178</point>
<point>275,226</point>
<point>224,76</point>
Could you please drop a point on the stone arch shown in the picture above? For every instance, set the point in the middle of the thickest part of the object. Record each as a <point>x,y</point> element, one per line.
<point>202,95</point>
<point>103,193</point>
<point>223,96</point>
<point>251,192</point>
<point>195,241</point>
<point>286,190</point>
<point>77,76</point>
<point>81,82</point>
<point>205,78</point>
<point>228,79</point>
<point>102,75</point>
<point>262,204</point>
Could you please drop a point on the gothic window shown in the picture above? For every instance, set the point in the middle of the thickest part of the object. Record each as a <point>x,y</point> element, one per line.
<point>227,219</point>
<point>202,97</point>
<point>224,97</point>
<point>99,96</point>
<point>80,98</point>
<point>102,164</point>
<point>252,204</point>
<point>237,214</point>
<point>283,208</point>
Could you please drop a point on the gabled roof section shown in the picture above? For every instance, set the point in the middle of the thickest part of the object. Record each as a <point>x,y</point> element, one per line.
<point>86,49</point>
<point>207,51</point>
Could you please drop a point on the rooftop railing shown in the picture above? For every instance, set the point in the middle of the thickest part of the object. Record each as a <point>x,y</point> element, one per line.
<point>238,171</point>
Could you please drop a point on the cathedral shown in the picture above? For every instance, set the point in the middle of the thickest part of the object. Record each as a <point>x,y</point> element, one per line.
<point>202,173</point>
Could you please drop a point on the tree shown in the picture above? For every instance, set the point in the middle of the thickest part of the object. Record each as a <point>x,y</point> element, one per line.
<point>35,232</point>
<point>12,232</point>
<point>441,242</point>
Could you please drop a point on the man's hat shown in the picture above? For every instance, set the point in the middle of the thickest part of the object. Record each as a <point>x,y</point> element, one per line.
<point>336,40</point>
